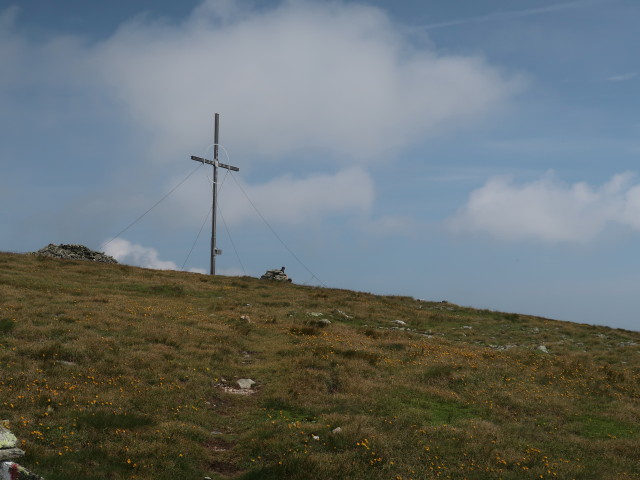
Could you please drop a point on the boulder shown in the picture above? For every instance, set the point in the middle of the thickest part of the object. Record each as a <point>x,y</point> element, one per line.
<point>74,252</point>
<point>7,439</point>
<point>9,445</point>
<point>319,322</point>
<point>7,454</point>
<point>13,471</point>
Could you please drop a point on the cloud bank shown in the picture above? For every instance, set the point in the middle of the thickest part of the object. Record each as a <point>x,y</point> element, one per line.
<point>549,210</point>
<point>140,256</point>
<point>300,77</point>
<point>322,88</point>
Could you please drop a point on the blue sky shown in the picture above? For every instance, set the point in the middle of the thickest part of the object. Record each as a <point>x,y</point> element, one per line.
<point>480,152</point>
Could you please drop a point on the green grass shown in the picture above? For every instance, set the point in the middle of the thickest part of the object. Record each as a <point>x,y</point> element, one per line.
<point>6,325</point>
<point>114,372</point>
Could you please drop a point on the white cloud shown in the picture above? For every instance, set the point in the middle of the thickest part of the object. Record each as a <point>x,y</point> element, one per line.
<point>300,77</point>
<point>294,200</point>
<point>387,225</point>
<point>623,77</point>
<point>285,199</point>
<point>295,82</point>
<point>549,210</point>
<point>200,270</point>
<point>132,254</point>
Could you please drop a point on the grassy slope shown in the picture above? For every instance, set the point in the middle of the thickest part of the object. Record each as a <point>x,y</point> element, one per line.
<point>108,371</point>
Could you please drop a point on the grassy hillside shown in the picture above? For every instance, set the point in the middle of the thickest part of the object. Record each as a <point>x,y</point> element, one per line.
<point>110,372</point>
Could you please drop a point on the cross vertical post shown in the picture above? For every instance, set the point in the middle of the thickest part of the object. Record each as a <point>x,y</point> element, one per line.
<point>216,130</point>
<point>216,164</point>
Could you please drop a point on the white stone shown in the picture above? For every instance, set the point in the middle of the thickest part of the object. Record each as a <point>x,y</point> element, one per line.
<point>246,383</point>
<point>7,439</point>
<point>542,348</point>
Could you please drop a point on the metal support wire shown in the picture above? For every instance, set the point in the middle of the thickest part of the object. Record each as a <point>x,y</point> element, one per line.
<point>197,237</point>
<point>152,207</point>
<point>313,275</point>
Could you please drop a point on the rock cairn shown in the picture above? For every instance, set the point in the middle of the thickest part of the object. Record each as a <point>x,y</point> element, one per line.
<point>276,275</point>
<point>9,452</point>
<point>74,252</point>
<point>9,445</point>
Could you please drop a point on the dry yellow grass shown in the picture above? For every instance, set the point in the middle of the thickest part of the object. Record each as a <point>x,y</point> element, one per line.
<point>108,371</point>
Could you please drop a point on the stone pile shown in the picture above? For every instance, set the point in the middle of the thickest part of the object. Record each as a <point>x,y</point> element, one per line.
<point>9,451</point>
<point>276,275</point>
<point>9,446</point>
<point>74,252</point>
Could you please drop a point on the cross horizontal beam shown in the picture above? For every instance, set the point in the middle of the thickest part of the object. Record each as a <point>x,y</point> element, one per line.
<point>211,162</point>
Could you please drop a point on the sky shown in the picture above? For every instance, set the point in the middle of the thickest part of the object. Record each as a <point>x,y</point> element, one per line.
<point>483,153</point>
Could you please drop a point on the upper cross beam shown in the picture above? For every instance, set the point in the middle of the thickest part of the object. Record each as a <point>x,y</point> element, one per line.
<point>212,162</point>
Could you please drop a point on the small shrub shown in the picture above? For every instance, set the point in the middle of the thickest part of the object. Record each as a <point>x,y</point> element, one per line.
<point>395,346</point>
<point>437,372</point>
<point>6,325</point>
<point>104,420</point>
<point>371,357</point>
<point>303,331</point>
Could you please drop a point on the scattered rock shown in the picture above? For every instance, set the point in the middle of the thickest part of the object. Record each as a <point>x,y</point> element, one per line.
<point>336,430</point>
<point>322,322</point>
<point>246,383</point>
<point>342,314</point>
<point>399,322</point>
<point>276,275</point>
<point>66,363</point>
<point>246,318</point>
<point>467,327</point>
<point>237,391</point>
<point>244,387</point>
<point>503,347</point>
<point>7,454</point>
<point>13,471</point>
<point>542,348</point>
<point>74,252</point>
<point>315,314</point>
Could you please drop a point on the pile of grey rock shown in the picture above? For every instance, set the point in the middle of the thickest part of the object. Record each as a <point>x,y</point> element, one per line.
<point>74,252</point>
<point>9,452</point>
<point>276,275</point>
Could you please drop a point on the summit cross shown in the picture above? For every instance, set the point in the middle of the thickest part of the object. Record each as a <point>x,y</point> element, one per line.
<point>216,164</point>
